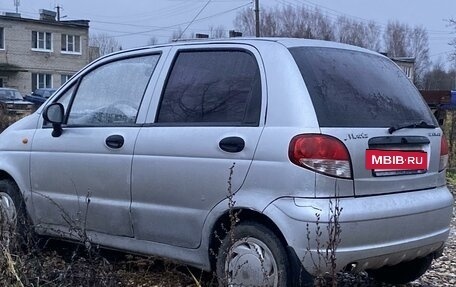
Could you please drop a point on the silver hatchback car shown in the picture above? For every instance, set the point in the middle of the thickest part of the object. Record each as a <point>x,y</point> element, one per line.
<point>269,161</point>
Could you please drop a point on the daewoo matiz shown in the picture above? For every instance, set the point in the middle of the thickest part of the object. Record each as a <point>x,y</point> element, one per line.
<point>138,147</point>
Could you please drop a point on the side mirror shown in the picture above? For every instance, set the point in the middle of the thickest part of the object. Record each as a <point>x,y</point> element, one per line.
<point>54,113</point>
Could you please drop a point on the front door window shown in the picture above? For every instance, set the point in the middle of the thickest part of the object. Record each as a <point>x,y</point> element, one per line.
<point>111,95</point>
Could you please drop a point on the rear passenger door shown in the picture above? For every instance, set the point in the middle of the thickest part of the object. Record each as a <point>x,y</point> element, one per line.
<point>204,119</point>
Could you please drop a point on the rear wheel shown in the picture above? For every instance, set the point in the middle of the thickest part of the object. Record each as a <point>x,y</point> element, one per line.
<point>403,272</point>
<point>252,255</point>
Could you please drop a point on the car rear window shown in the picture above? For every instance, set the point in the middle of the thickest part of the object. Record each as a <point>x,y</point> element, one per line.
<point>357,89</point>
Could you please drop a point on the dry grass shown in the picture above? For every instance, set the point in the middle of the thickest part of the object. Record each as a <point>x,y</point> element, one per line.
<point>7,120</point>
<point>61,264</point>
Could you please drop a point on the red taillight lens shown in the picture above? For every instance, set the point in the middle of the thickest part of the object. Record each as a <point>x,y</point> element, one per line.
<point>321,153</point>
<point>443,153</point>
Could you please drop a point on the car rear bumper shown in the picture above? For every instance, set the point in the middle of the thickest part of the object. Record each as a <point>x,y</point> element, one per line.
<point>370,232</point>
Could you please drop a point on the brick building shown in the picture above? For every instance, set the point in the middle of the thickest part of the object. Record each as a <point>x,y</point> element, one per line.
<point>41,53</point>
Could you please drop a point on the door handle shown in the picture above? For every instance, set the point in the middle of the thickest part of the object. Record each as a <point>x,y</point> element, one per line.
<point>232,144</point>
<point>115,141</point>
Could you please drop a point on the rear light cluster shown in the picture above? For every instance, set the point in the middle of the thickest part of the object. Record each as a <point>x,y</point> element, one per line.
<point>443,153</point>
<point>321,153</point>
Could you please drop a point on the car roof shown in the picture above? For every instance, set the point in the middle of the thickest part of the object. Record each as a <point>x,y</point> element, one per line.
<point>286,42</point>
<point>9,89</point>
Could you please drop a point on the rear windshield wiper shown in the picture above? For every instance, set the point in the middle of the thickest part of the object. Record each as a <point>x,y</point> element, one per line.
<point>417,125</point>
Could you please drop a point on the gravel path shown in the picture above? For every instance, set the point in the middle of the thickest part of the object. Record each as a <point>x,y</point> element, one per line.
<point>443,270</point>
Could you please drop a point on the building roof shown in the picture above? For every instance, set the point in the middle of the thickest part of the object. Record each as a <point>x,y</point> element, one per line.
<point>404,59</point>
<point>84,24</point>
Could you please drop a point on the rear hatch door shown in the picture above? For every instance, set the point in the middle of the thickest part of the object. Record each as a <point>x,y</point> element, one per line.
<point>408,150</point>
<point>367,102</point>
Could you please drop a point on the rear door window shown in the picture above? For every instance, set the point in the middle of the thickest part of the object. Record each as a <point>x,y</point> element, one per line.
<point>356,89</point>
<point>220,87</point>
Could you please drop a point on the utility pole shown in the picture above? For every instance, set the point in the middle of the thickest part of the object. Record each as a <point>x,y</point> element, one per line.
<point>257,18</point>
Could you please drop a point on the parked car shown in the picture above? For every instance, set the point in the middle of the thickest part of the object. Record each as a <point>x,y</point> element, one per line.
<point>12,103</point>
<point>290,144</point>
<point>39,96</point>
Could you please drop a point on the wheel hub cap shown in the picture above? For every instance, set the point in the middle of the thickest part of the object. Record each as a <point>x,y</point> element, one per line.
<point>8,212</point>
<point>251,263</point>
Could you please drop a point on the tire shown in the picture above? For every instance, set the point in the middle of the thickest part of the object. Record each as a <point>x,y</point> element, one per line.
<point>252,255</point>
<point>13,214</point>
<point>404,272</point>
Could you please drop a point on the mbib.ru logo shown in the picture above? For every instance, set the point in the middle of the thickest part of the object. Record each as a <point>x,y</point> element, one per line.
<point>396,160</point>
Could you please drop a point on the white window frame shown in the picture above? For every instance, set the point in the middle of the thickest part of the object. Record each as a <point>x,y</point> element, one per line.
<point>66,38</point>
<point>37,46</point>
<point>2,38</point>
<point>38,86</point>
<point>66,76</point>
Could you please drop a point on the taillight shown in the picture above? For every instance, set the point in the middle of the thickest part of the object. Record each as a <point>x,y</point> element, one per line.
<point>443,153</point>
<point>321,153</point>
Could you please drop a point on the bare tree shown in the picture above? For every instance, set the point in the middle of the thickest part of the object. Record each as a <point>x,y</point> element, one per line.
<point>419,49</point>
<point>288,21</point>
<point>291,22</point>
<point>217,32</point>
<point>177,34</point>
<point>104,43</point>
<point>269,24</point>
<point>348,31</point>
<point>401,40</point>
<point>152,41</point>
<point>245,22</point>
<point>358,33</point>
<point>452,23</point>
<point>321,25</point>
<point>396,39</point>
<point>373,41</point>
<point>296,22</point>
<point>437,78</point>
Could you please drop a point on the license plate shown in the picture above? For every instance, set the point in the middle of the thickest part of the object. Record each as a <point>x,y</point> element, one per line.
<point>396,160</point>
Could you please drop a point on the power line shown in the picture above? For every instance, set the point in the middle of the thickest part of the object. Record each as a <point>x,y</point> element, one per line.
<point>341,13</point>
<point>180,24</point>
<point>331,13</point>
<point>441,53</point>
<point>139,16</point>
<point>156,28</point>
<point>191,22</point>
<point>334,14</point>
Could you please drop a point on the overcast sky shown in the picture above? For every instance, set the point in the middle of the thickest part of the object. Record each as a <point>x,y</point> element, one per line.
<point>133,23</point>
